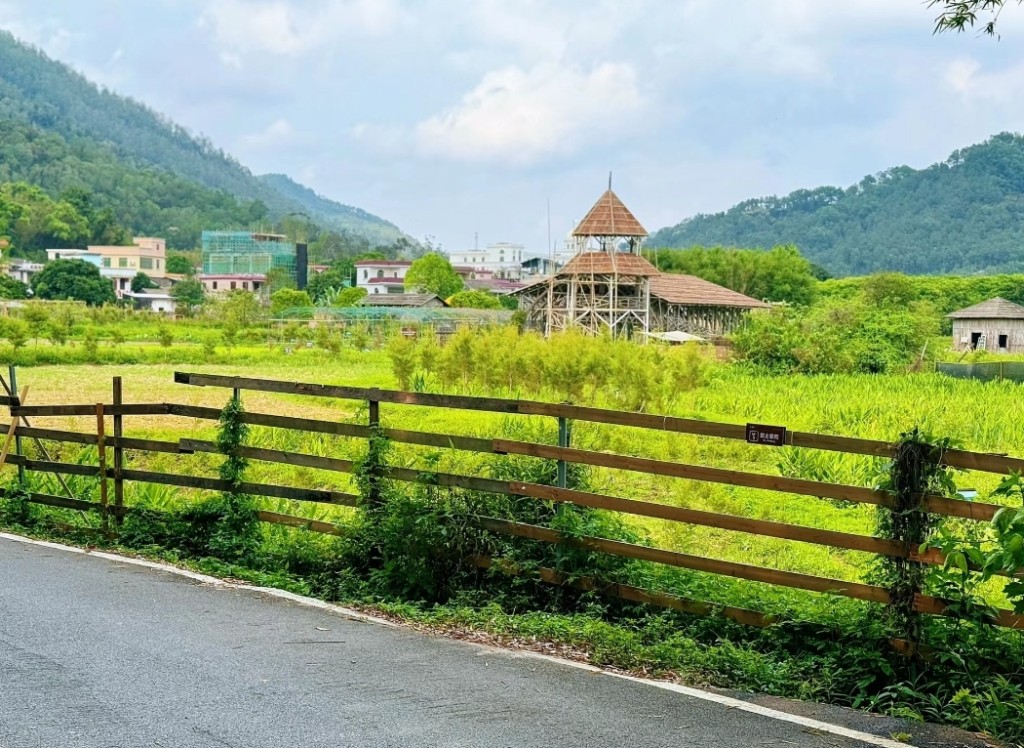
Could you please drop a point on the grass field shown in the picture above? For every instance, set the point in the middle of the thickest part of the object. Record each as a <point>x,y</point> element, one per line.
<point>982,416</point>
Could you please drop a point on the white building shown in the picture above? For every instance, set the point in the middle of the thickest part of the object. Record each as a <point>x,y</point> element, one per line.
<point>503,260</point>
<point>23,270</point>
<point>382,276</point>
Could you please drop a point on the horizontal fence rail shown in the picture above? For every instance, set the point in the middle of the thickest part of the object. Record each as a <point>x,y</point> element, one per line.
<point>562,454</point>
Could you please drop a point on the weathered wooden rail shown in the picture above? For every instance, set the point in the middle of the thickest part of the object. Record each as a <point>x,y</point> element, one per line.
<point>562,453</point>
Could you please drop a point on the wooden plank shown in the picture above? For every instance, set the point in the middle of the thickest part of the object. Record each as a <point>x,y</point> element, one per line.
<point>7,400</point>
<point>800,486</point>
<point>630,593</point>
<point>960,508</point>
<point>62,502</point>
<point>144,445</point>
<point>938,607</point>
<point>155,409</point>
<point>696,472</point>
<point>255,489</point>
<point>764,528</point>
<point>300,522</point>
<point>46,466</point>
<point>57,435</point>
<point>281,422</point>
<point>490,404</point>
<point>274,455</point>
<point>445,441</point>
<point>988,463</point>
<point>795,580</point>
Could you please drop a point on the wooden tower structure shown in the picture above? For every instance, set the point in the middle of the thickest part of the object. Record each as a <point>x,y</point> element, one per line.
<point>606,286</point>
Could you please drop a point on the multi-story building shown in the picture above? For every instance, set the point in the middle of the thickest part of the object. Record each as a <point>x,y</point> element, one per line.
<point>121,263</point>
<point>504,260</point>
<point>382,276</point>
<point>242,260</point>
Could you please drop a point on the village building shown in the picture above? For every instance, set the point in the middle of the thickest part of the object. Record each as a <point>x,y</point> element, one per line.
<point>996,325</point>
<point>152,300</point>
<point>23,270</point>
<point>502,260</point>
<point>417,300</point>
<point>608,286</point>
<point>223,283</point>
<point>121,263</point>
<point>388,276</point>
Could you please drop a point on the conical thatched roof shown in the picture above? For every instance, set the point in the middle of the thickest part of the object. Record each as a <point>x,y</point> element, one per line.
<point>609,217</point>
<point>996,308</point>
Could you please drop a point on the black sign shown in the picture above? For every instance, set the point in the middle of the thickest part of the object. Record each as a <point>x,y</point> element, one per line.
<point>773,436</point>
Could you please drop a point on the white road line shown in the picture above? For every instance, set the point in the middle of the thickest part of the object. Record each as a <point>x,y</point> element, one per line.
<point>695,693</point>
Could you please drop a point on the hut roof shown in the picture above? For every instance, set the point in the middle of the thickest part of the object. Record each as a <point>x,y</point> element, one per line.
<point>609,217</point>
<point>693,291</point>
<point>996,308</point>
<point>399,299</point>
<point>608,263</point>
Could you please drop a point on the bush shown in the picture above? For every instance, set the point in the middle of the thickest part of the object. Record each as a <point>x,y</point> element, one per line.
<point>474,300</point>
<point>837,336</point>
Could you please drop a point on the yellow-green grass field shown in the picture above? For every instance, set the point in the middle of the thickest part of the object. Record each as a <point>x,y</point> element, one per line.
<point>981,416</point>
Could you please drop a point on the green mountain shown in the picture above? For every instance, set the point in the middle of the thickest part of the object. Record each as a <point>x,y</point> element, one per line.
<point>331,214</point>
<point>60,131</point>
<point>963,215</point>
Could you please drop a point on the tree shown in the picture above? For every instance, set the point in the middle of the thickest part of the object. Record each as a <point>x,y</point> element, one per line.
<point>474,300</point>
<point>73,279</point>
<point>37,319</point>
<point>240,308</point>
<point>141,282</point>
<point>179,264</point>
<point>346,297</point>
<point>12,289</point>
<point>320,284</point>
<point>14,331</point>
<point>288,298</point>
<point>960,15</point>
<point>189,294</point>
<point>433,273</point>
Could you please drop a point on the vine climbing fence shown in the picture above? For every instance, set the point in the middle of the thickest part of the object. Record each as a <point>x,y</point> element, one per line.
<point>115,450</point>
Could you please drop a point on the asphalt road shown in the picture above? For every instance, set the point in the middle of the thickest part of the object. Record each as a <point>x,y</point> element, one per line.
<point>100,654</point>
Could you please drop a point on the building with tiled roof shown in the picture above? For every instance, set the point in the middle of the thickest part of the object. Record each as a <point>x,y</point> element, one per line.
<point>608,286</point>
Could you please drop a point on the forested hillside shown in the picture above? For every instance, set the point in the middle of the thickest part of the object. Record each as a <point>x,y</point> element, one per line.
<point>333,214</point>
<point>58,130</point>
<point>963,215</point>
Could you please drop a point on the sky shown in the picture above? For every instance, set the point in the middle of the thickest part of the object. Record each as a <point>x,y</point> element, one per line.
<point>463,120</point>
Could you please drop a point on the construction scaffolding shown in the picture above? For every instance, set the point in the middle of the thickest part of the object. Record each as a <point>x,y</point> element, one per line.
<point>247,253</point>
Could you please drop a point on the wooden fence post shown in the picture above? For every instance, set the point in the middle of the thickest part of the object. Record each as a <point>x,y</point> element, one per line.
<point>102,449</point>
<point>118,453</point>
<point>564,438</point>
<point>12,372</point>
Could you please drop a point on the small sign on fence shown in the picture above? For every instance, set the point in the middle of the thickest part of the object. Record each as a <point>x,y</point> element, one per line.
<point>773,436</point>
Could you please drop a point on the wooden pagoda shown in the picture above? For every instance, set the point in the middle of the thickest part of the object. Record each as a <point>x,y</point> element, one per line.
<point>606,286</point>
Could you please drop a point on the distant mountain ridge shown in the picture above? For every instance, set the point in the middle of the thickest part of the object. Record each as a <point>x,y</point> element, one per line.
<point>963,215</point>
<point>331,213</point>
<point>42,97</point>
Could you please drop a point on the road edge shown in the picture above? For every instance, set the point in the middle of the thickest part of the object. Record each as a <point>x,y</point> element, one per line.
<point>356,615</point>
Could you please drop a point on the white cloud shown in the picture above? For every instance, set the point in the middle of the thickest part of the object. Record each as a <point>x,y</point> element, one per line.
<point>291,27</point>
<point>520,116</point>
<point>277,133</point>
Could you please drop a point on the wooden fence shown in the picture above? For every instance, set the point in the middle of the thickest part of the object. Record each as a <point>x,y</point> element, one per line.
<point>21,428</point>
